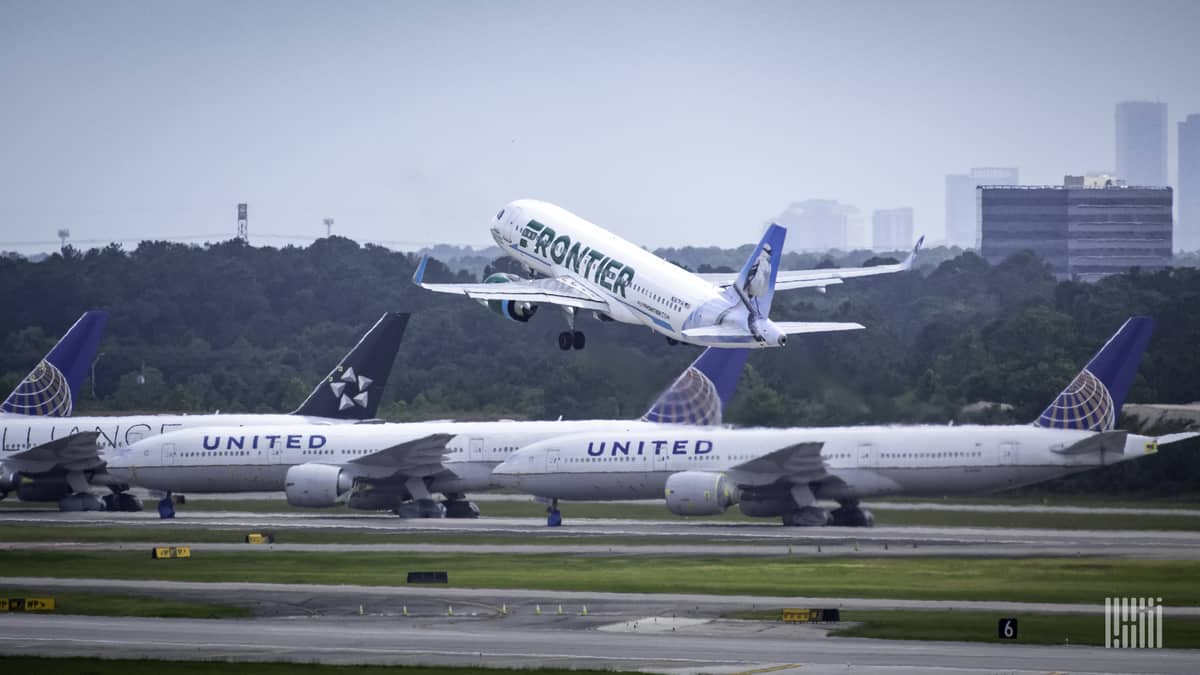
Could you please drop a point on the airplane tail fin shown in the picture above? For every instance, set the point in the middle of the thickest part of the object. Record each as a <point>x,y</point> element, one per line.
<point>1092,401</point>
<point>755,285</point>
<point>353,388</point>
<point>52,387</point>
<point>700,394</point>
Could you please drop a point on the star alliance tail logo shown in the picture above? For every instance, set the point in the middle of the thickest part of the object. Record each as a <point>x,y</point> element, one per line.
<point>350,389</point>
<point>43,392</point>
<point>1085,405</point>
<point>692,399</point>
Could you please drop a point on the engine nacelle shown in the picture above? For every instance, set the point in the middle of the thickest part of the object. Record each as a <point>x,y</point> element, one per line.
<point>9,480</point>
<point>42,489</point>
<point>316,484</point>
<point>514,310</point>
<point>766,508</point>
<point>699,493</point>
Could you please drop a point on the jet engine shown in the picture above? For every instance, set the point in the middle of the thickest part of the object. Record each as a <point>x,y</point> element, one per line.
<point>9,480</point>
<point>316,484</point>
<point>699,493</point>
<point>514,310</point>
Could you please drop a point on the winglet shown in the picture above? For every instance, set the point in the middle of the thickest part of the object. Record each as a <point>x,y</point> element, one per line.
<point>912,257</point>
<point>419,275</point>
<point>699,395</point>
<point>1092,401</point>
<point>52,387</point>
<point>352,389</point>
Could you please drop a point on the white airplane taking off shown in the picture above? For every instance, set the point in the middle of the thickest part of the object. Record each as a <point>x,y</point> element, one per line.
<point>589,268</point>
<point>783,472</point>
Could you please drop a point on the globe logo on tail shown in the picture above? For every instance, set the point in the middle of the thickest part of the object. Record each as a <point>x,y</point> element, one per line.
<point>1085,404</point>
<point>692,399</point>
<point>43,392</point>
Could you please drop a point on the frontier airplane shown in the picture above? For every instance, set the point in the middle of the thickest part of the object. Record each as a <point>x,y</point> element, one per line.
<point>783,472</point>
<point>589,268</point>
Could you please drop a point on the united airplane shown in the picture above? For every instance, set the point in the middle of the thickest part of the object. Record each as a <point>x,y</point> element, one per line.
<point>784,472</point>
<point>48,459</point>
<point>589,268</point>
<point>397,467</point>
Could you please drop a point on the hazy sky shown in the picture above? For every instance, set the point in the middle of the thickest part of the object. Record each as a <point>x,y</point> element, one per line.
<point>669,123</point>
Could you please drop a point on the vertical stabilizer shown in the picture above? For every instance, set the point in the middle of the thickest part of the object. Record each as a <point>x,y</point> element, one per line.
<point>1093,399</point>
<point>755,285</point>
<point>352,389</point>
<point>52,387</point>
<point>700,394</point>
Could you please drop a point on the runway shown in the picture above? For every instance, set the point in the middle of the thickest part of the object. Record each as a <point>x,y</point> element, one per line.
<point>660,537</point>
<point>706,647</point>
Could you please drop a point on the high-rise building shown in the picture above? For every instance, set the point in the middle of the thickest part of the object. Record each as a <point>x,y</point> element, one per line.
<point>818,224</point>
<point>961,220</point>
<point>1087,228</point>
<point>1142,143</point>
<point>1187,228</point>
<point>892,229</point>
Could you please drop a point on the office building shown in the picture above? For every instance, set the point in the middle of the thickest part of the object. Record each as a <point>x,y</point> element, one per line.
<point>818,224</point>
<point>1187,227</point>
<point>961,220</point>
<point>892,229</point>
<point>1142,143</point>
<point>1087,228</point>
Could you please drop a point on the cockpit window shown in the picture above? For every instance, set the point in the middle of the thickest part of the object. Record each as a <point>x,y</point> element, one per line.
<point>500,216</point>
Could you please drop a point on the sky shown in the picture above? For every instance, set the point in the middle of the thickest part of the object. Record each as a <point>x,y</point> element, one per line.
<point>669,123</point>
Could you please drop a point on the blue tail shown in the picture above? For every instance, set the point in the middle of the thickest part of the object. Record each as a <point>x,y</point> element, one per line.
<point>1094,398</point>
<point>700,394</point>
<point>755,284</point>
<point>52,387</point>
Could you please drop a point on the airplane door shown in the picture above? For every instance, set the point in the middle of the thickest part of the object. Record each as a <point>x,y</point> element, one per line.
<point>552,460</point>
<point>168,454</point>
<point>1009,454</point>
<point>475,450</point>
<point>660,461</point>
<point>276,454</point>
<point>867,457</point>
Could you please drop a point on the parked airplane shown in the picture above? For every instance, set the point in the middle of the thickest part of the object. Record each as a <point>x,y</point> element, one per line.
<point>589,268</point>
<point>59,459</point>
<point>783,472</point>
<point>52,387</point>
<point>395,466</point>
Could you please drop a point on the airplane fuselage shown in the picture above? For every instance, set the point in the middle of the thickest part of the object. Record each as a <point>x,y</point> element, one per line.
<point>857,461</point>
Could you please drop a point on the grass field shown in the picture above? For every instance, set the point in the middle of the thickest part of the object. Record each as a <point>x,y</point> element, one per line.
<point>1067,580</point>
<point>109,604</point>
<point>31,664</point>
<point>956,626</point>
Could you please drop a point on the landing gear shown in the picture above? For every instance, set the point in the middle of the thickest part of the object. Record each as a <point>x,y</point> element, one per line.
<point>81,501</point>
<point>851,515</point>
<point>571,338</point>
<point>458,506</point>
<point>122,501</point>
<point>421,508</point>
<point>672,341</point>
<point>807,516</point>
<point>553,515</point>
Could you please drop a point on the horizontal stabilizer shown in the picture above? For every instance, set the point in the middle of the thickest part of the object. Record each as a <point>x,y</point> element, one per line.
<point>1176,438</point>
<point>1110,441</point>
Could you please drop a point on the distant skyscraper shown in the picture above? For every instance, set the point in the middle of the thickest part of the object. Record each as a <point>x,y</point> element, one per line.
<point>1187,228</point>
<point>1087,228</point>
<point>892,229</point>
<point>1142,143</point>
<point>817,224</point>
<point>962,227</point>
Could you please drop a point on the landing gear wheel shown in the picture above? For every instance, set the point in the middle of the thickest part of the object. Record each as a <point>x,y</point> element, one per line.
<point>81,501</point>
<point>852,516</point>
<point>461,509</point>
<point>578,341</point>
<point>122,501</point>
<point>421,508</point>
<point>672,341</point>
<point>565,340</point>
<point>808,516</point>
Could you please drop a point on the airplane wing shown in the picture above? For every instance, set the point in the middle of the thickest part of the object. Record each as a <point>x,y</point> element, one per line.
<point>1112,441</point>
<point>418,457</point>
<point>786,280</point>
<point>740,334</point>
<point>559,291</point>
<point>799,463</point>
<point>78,451</point>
